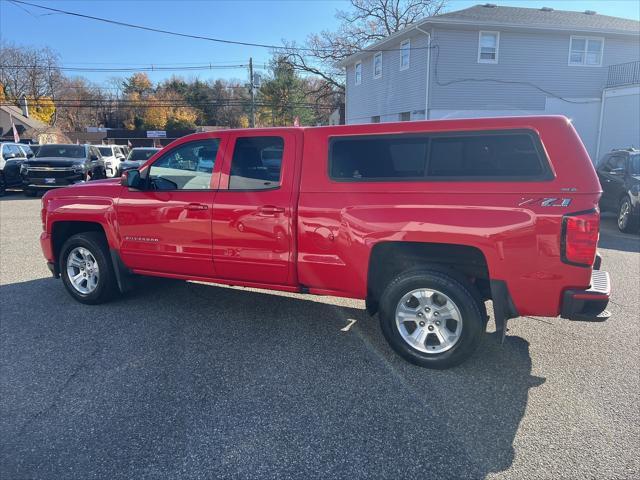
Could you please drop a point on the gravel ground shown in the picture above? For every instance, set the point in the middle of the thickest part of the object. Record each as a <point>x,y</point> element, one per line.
<point>184,380</point>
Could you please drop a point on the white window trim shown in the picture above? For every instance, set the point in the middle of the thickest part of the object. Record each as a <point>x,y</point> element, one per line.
<point>355,74</point>
<point>497,34</point>
<point>402,44</point>
<point>379,54</point>
<point>586,46</point>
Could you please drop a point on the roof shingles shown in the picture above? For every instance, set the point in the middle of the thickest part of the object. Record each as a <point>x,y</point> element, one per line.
<point>535,17</point>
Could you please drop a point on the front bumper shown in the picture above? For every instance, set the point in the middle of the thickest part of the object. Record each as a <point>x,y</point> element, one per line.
<point>47,251</point>
<point>588,305</point>
<point>52,180</point>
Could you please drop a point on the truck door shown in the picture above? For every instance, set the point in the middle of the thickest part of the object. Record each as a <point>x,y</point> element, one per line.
<point>253,211</point>
<point>166,227</point>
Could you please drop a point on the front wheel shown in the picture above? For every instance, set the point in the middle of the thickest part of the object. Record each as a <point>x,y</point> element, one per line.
<point>86,268</point>
<point>626,221</point>
<point>430,318</point>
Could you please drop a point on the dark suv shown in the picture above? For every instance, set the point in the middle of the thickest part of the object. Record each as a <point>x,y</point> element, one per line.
<point>619,174</point>
<point>60,165</point>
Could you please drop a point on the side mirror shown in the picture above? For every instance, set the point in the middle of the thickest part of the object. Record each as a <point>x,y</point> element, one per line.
<point>93,158</point>
<point>132,179</point>
<point>29,155</point>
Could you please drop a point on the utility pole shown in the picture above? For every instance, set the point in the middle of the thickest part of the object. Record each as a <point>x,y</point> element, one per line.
<point>252,118</point>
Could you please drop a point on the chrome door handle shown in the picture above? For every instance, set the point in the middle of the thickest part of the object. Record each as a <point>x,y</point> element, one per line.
<point>271,210</point>
<point>197,206</point>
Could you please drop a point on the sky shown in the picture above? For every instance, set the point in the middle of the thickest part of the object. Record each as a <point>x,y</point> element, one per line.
<point>87,43</point>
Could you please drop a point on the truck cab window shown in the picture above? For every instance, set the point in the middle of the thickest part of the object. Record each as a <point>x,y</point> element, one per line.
<point>256,163</point>
<point>186,167</point>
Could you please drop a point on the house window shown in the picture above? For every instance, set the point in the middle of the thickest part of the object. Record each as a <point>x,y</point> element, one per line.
<point>375,119</point>
<point>377,65</point>
<point>358,73</point>
<point>586,51</point>
<point>405,116</point>
<point>405,52</point>
<point>488,44</point>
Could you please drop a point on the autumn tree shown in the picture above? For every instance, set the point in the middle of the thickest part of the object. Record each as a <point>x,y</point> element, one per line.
<point>139,84</point>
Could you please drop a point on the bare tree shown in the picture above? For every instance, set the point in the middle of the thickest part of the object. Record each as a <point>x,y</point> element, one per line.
<point>31,72</point>
<point>367,22</point>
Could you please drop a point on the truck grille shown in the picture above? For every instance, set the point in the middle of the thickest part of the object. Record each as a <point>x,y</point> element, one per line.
<point>49,169</point>
<point>46,172</point>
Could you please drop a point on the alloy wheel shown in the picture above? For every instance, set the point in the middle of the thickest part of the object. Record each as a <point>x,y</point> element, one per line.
<point>429,321</point>
<point>83,270</point>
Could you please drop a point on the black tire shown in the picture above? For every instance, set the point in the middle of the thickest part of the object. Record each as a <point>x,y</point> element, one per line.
<point>3,187</point>
<point>106,287</point>
<point>30,192</point>
<point>462,294</point>
<point>630,223</point>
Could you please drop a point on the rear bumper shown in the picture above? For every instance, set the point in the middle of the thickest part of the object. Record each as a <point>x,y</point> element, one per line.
<point>588,305</point>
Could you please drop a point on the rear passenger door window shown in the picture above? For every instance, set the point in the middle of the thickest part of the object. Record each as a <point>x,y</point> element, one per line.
<point>256,163</point>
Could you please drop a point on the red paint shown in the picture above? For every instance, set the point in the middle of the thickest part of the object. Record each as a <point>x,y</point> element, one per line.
<point>317,233</point>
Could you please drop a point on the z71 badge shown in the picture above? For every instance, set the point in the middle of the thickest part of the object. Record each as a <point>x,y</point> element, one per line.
<point>547,202</point>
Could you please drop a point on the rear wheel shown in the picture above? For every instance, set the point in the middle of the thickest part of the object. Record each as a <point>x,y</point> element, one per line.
<point>626,221</point>
<point>430,318</point>
<point>86,268</point>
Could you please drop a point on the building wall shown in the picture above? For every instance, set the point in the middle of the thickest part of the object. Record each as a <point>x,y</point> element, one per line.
<point>397,91</point>
<point>528,59</point>
<point>458,83</point>
<point>620,119</point>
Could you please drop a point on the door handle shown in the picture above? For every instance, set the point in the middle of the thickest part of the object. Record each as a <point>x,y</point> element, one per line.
<point>271,210</point>
<point>197,206</point>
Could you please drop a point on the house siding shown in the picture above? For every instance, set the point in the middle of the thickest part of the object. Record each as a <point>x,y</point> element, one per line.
<point>396,92</point>
<point>541,59</point>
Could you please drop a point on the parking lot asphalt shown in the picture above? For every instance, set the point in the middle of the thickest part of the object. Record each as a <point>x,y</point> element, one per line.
<point>185,380</point>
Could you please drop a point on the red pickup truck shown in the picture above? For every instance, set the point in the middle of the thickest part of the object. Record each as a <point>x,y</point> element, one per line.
<point>423,220</point>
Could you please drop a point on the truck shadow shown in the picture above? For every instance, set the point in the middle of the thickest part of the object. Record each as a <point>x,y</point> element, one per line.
<point>197,377</point>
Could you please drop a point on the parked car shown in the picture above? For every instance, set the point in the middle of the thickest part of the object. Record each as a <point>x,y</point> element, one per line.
<point>619,174</point>
<point>60,165</point>
<point>113,158</point>
<point>137,157</point>
<point>12,155</point>
<point>425,221</point>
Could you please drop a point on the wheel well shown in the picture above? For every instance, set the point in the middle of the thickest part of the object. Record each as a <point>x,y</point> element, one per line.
<point>389,259</point>
<point>63,230</point>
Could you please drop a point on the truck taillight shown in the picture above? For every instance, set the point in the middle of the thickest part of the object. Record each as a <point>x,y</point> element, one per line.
<point>580,233</point>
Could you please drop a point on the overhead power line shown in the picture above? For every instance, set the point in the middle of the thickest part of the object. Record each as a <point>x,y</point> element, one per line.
<point>199,37</point>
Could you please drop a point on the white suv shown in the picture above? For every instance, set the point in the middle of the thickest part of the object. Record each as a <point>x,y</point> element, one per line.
<point>113,157</point>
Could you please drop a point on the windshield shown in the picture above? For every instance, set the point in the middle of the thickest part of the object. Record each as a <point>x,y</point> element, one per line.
<point>105,151</point>
<point>634,164</point>
<point>140,155</point>
<point>65,151</point>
